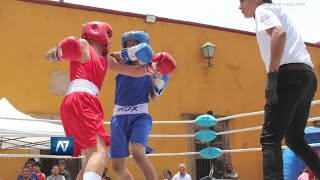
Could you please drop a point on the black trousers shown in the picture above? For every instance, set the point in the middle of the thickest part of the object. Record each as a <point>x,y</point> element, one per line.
<point>287,118</point>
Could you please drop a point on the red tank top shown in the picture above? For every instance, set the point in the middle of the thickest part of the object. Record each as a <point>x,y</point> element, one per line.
<point>40,176</point>
<point>93,70</point>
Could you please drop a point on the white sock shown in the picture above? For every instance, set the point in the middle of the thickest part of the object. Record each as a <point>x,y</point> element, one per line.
<point>91,176</point>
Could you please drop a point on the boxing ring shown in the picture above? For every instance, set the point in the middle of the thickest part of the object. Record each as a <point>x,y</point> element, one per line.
<point>18,137</point>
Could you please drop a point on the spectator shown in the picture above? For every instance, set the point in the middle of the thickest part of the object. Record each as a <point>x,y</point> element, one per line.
<point>167,175</point>
<point>182,174</point>
<point>304,175</point>
<point>33,176</point>
<point>25,174</point>
<point>230,173</point>
<point>31,160</point>
<point>62,171</point>
<point>316,124</point>
<point>37,170</point>
<point>310,173</point>
<point>55,174</point>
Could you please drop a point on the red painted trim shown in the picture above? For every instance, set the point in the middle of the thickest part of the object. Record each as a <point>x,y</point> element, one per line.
<point>109,11</point>
<point>313,44</point>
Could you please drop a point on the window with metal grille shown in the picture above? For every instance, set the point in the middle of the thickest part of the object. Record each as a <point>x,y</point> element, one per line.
<point>200,166</point>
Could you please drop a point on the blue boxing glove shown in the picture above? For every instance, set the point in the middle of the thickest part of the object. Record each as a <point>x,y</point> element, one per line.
<point>161,84</point>
<point>141,52</point>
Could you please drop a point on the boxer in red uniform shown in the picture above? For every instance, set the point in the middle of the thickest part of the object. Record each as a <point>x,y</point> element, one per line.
<point>81,112</point>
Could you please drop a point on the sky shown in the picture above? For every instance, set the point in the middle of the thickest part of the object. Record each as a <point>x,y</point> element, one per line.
<point>223,13</point>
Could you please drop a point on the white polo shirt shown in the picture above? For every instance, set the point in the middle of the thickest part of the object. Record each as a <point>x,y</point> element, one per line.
<point>179,177</point>
<point>268,16</point>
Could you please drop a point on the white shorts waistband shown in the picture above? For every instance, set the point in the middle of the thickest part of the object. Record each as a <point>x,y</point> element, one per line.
<point>137,109</point>
<point>83,85</point>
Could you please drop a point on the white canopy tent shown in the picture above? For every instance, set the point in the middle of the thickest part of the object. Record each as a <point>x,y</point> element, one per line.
<point>16,132</point>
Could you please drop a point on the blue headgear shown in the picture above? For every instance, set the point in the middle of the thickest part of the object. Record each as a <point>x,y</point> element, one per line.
<point>140,36</point>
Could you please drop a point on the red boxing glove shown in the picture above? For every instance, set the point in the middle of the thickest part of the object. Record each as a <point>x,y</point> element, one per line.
<point>69,49</point>
<point>161,62</point>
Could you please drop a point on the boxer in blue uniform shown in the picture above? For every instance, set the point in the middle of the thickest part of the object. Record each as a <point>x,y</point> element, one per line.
<point>131,123</point>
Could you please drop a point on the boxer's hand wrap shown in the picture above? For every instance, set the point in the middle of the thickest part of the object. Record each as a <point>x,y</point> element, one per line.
<point>53,55</point>
<point>161,84</point>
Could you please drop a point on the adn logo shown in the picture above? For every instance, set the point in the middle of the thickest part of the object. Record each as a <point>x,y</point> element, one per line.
<point>62,146</point>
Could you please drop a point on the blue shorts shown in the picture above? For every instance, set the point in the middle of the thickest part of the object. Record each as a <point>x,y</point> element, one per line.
<point>133,128</point>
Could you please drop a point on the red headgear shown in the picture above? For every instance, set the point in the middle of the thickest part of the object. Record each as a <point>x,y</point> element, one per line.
<point>98,31</point>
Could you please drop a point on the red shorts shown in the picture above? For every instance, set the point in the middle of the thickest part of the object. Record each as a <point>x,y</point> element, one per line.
<point>82,118</point>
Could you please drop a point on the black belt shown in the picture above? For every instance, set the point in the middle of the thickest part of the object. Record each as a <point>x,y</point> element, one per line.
<point>295,67</point>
